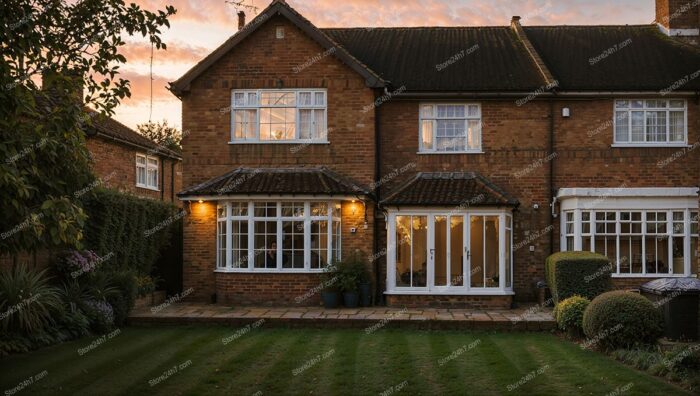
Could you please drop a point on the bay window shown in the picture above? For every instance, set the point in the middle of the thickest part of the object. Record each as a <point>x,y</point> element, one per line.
<point>270,236</point>
<point>651,242</point>
<point>450,128</point>
<point>273,115</point>
<point>651,122</point>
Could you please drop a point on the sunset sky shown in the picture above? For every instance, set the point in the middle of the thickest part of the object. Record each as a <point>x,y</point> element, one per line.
<point>200,26</point>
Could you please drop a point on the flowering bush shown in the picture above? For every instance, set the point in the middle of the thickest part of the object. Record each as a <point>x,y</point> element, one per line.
<point>101,315</point>
<point>75,263</point>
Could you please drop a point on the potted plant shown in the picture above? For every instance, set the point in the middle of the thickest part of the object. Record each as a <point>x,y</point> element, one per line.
<point>329,281</point>
<point>352,273</point>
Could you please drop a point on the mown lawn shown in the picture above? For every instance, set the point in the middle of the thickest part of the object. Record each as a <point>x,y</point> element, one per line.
<point>322,362</point>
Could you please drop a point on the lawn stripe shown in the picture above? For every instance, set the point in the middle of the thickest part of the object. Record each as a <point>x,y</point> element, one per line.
<point>406,362</point>
<point>189,346</point>
<point>17,368</point>
<point>586,371</point>
<point>106,363</point>
<point>316,377</point>
<point>449,350</point>
<point>66,378</point>
<point>244,358</point>
<point>280,378</point>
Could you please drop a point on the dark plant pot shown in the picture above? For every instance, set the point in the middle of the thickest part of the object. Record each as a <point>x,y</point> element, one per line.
<point>330,299</point>
<point>351,299</point>
<point>365,294</point>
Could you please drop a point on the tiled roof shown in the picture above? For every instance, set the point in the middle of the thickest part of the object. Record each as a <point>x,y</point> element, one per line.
<point>615,58</point>
<point>444,58</point>
<point>114,129</point>
<point>266,181</point>
<point>449,188</point>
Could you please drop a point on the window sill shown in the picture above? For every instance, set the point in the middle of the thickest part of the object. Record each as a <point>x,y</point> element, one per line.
<point>290,142</point>
<point>147,187</point>
<point>269,271</point>
<point>495,292</point>
<point>653,276</point>
<point>661,145</point>
<point>448,152</point>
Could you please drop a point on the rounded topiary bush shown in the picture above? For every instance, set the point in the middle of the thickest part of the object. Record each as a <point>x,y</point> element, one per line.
<point>621,319</point>
<point>569,314</point>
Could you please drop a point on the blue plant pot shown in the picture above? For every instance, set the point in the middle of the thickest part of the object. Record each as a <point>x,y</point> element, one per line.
<point>351,299</point>
<point>365,294</point>
<point>330,299</point>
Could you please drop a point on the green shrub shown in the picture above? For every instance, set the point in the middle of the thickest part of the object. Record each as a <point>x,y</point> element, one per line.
<point>27,301</point>
<point>584,274</point>
<point>123,302</point>
<point>128,232</point>
<point>621,319</point>
<point>682,363</point>
<point>352,271</point>
<point>569,314</point>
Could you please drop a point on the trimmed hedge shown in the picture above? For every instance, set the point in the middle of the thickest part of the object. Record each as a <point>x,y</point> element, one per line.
<point>620,319</point>
<point>584,274</point>
<point>128,232</point>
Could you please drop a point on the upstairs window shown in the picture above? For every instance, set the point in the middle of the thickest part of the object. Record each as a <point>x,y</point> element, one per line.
<point>278,116</point>
<point>147,171</point>
<point>650,122</point>
<point>450,128</point>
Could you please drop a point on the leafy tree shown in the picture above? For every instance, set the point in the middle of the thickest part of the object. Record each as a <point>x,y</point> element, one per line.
<point>75,46</point>
<point>163,134</point>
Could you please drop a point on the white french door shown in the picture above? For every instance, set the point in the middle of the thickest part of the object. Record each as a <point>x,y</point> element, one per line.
<point>443,252</point>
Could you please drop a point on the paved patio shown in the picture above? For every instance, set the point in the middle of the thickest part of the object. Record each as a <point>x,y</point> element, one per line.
<point>529,318</point>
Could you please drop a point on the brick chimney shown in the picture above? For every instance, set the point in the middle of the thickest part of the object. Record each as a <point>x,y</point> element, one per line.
<point>241,20</point>
<point>679,19</point>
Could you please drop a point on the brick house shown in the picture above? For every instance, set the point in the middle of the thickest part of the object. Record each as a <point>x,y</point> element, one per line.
<point>128,161</point>
<point>125,160</point>
<point>457,158</point>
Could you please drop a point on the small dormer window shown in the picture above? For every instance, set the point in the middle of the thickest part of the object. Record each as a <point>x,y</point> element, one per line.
<point>279,32</point>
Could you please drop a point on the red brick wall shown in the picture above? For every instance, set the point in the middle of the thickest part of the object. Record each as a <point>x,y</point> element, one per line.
<point>261,61</point>
<point>268,289</point>
<point>115,164</point>
<point>513,138</point>
<point>438,301</point>
<point>516,137</point>
<point>678,14</point>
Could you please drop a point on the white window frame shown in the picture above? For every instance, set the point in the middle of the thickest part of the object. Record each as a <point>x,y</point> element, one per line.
<point>688,256</point>
<point>148,167</point>
<point>248,265</point>
<point>298,107</point>
<point>504,217</point>
<point>434,118</point>
<point>644,109</point>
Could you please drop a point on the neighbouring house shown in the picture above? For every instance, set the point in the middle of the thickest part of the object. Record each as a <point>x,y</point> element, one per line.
<point>125,160</point>
<point>456,158</point>
<point>128,161</point>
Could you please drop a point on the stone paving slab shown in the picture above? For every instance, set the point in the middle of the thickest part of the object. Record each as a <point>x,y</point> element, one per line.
<point>528,318</point>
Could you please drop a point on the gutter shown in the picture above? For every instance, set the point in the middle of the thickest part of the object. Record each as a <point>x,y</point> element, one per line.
<point>162,179</point>
<point>172,182</point>
<point>520,94</point>
<point>552,195</point>
<point>379,295</point>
